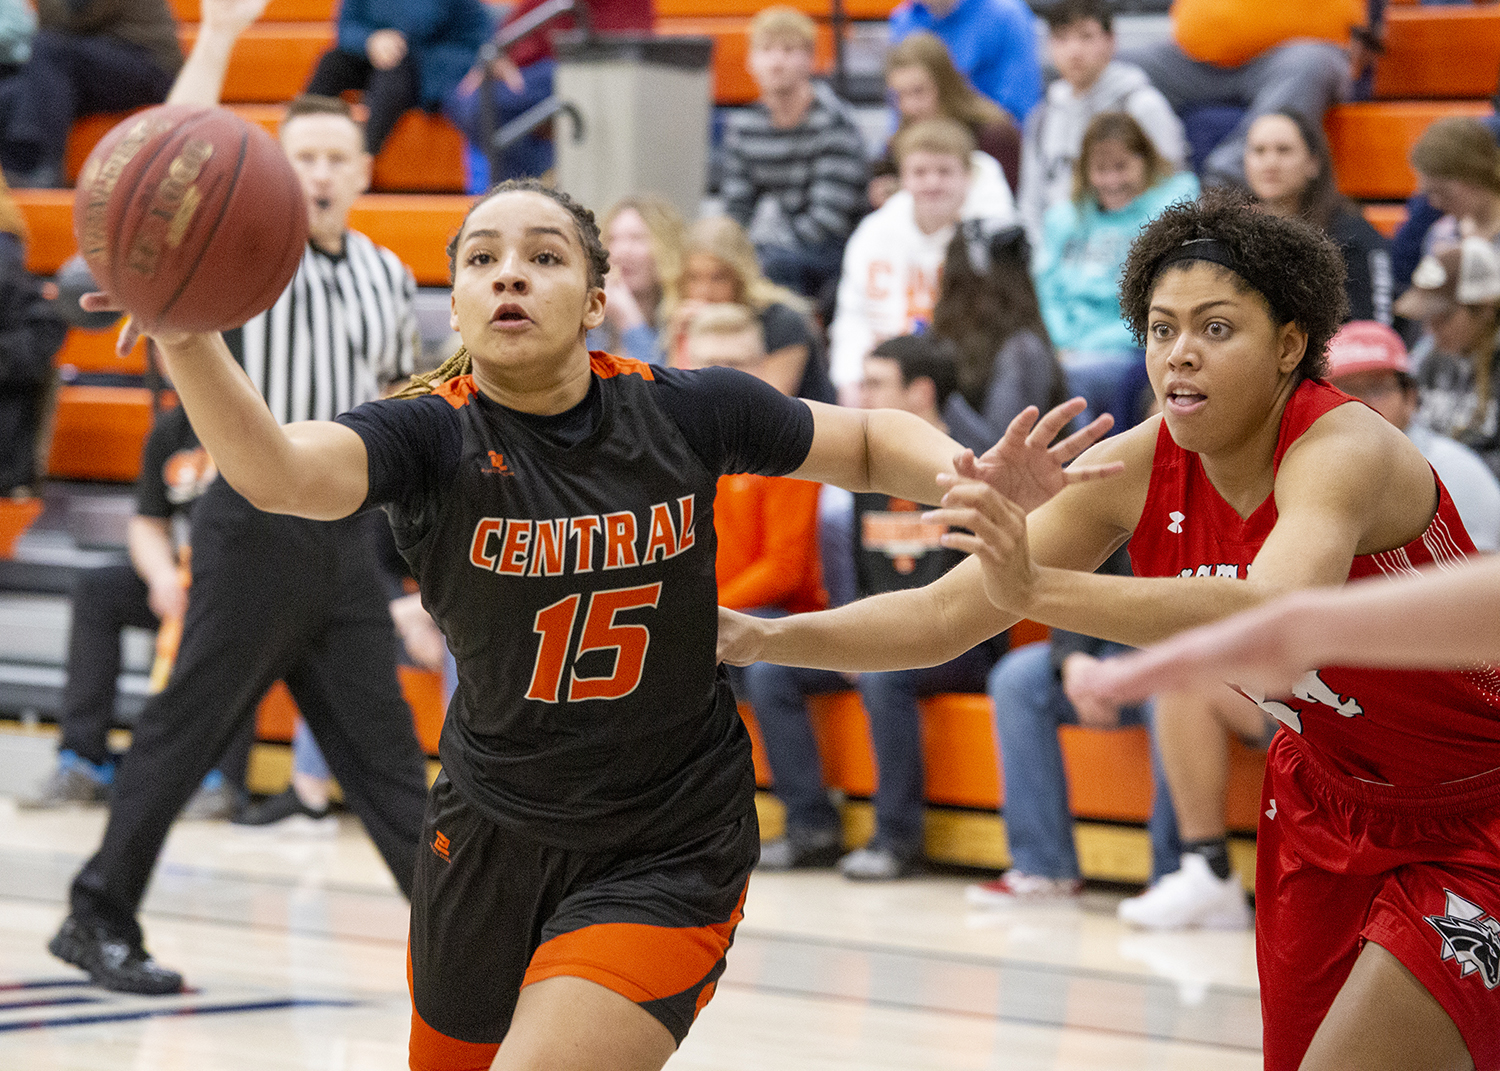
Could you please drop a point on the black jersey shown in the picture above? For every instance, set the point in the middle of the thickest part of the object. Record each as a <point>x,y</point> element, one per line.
<point>570,562</point>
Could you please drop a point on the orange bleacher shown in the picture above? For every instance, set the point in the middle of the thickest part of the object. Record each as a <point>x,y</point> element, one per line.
<point>1439,62</point>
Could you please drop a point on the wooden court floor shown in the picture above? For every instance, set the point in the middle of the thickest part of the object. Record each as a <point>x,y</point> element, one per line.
<point>294,946</point>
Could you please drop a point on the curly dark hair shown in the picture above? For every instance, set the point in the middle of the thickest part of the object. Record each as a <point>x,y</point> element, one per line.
<point>583,222</point>
<point>1292,265</point>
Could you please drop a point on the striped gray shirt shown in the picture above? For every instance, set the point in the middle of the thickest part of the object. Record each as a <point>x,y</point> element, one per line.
<point>344,326</point>
<point>806,182</point>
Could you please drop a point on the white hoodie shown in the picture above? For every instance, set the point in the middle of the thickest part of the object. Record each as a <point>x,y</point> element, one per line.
<point>1054,133</point>
<point>889,282</point>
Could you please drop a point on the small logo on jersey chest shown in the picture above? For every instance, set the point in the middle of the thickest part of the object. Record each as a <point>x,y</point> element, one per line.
<point>440,846</point>
<point>495,465</point>
<point>1175,520</point>
<point>1471,938</point>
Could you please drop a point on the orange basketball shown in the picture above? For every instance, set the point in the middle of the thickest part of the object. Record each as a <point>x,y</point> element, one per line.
<point>191,218</point>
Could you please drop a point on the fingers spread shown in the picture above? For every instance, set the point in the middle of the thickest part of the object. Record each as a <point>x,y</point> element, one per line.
<point>1056,419</point>
<point>1084,473</point>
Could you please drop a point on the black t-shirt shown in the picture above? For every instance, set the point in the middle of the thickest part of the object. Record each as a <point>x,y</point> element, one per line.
<point>175,470</point>
<point>894,547</point>
<point>570,562</point>
<point>784,326</point>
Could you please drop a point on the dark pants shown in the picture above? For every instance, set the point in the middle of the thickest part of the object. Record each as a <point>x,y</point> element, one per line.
<point>778,695</point>
<point>106,601</point>
<point>66,78</point>
<point>387,94</point>
<point>273,597</point>
<point>805,269</point>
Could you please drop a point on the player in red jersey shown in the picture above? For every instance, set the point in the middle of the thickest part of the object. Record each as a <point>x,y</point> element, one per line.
<point>587,845</point>
<point>1378,886</point>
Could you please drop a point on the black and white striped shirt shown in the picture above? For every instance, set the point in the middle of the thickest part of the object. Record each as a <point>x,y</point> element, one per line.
<point>802,186</point>
<point>344,326</point>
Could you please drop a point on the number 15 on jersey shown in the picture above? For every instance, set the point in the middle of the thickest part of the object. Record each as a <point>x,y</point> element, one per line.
<point>601,632</point>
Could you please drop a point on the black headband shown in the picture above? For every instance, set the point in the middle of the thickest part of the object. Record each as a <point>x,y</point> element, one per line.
<point>1215,252</point>
<point>1209,249</point>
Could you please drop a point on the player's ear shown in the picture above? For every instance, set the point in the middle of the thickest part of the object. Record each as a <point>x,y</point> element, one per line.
<point>593,308</point>
<point>1292,347</point>
<point>452,311</point>
<point>366,171</point>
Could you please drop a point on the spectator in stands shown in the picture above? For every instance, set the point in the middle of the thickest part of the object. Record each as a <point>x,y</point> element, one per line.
<point>1263,57</point>
<point>644,235</point>
<point>274,597</point>
<point>1290,170</point>
<point>1369,361</point>
<point>1081,43</point>
<point>31,332</point>
<point>988,311</point>
<point>88,56</point>
<point>17,27</point>
<point>767,526</point>
<point>1455,293</point>
<point>924,84</point>
<point>1030,689</point>
<point>1120,182</point>
<point>793,162</point>
<point>400,54</point>
<point>151,588</point>
<point>1458,169</point>
<point>719,265</point>
<point>889,283</point>
<point>895,549</point>
<point>993,42</point>
<point>520,78</point>
<point>1458,163</point>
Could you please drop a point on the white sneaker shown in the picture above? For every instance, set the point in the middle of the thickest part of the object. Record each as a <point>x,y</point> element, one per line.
<point>1015,888</point>
<point>1192,898</point>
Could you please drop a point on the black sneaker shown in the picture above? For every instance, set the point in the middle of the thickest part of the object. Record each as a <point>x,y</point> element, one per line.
<point>284,807</point>
<point>112,962</point>
<point>801,849</point>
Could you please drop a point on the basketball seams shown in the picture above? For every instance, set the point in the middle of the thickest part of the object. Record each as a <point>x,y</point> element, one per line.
<point>208,241</point>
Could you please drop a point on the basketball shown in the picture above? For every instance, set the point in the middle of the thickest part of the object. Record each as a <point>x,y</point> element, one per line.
<point>190,218</point>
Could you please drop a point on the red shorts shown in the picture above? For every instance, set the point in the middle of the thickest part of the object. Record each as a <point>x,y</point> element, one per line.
<point>1341,861</point>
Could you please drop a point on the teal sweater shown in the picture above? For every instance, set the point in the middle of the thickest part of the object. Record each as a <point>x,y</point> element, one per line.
<point>1078,267</point>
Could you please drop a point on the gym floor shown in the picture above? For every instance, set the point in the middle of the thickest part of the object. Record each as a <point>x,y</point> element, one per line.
<point>295,943</point>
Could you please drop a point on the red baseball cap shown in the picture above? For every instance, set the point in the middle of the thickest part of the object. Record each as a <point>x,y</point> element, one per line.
<point>1366,346</point>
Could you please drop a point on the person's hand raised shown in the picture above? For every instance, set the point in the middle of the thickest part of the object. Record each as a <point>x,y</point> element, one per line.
<point>1025,466</point>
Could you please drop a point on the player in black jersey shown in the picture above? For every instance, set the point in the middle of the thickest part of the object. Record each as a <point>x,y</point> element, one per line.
<point>588,844</point>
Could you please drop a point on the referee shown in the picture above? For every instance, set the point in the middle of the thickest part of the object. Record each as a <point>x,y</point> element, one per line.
<point>278,597</point>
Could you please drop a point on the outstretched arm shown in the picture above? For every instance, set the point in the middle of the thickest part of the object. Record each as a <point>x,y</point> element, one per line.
<point>1448,619</point>
<point>201,79</point>
<point>316,469</point>
<point>900,454</point>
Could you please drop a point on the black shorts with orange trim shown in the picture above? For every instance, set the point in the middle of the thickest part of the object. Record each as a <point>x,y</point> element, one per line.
<point>492,911</point>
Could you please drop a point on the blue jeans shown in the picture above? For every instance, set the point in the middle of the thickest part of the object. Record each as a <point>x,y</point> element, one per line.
<point>1029,706</point>
<point>778,694</point>
<point>532,155</point>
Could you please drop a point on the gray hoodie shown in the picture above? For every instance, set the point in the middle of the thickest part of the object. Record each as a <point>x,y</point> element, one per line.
<point>1054,132</point>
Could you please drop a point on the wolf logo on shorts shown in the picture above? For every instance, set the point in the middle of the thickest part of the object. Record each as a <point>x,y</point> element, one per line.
<point>1471,937</point>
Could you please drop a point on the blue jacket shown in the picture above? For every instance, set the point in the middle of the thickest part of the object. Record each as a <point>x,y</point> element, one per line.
<point>993,42</point>
<point>443,35</point>
<point>1077,268</point>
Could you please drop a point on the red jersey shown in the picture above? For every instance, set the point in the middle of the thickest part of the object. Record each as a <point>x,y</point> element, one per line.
<point>1400,727</point>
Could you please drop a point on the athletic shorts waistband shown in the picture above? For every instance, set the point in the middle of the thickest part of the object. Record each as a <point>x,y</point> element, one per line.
<point>1471,794</point>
